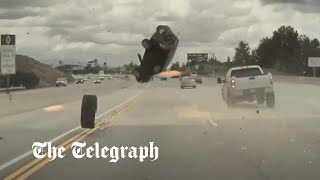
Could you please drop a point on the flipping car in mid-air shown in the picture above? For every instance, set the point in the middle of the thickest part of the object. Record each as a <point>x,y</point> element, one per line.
<point>159,51</point>
<point>248,83</point>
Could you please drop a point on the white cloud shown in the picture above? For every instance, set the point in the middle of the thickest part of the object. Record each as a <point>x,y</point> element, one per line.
<point>113,30</point>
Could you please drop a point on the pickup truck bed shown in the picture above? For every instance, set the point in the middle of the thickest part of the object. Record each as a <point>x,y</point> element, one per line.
<point>248,84</point>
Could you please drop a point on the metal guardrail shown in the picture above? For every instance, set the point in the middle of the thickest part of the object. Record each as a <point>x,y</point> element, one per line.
<point>12,89</point>
<point>298,79</point>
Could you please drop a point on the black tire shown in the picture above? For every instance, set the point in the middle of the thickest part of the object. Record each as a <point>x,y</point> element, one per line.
<point>88,111</point>
<point>194,87</point>
<point>159,27</point>
<point>181,87</point>
<point>270,100</point>
<point>146,43</point>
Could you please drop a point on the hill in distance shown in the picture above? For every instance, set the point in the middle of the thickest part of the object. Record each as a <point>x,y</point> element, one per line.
<point>47,74</point>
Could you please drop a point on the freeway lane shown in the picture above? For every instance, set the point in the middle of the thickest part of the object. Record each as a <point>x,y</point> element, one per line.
<point>18,131</point>
<point>29,100</point>
<point>200,138</point>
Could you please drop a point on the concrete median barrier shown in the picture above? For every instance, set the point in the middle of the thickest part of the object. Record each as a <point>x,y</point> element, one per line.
<point>297,79</point>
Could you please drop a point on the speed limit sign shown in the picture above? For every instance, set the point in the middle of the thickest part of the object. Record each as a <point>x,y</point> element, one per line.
<point>8,54</point>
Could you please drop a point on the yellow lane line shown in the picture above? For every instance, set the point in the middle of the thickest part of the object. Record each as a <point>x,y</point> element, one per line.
<point>37,164</point>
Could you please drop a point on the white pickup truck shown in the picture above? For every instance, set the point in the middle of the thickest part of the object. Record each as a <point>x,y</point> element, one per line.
<point>247,83</point>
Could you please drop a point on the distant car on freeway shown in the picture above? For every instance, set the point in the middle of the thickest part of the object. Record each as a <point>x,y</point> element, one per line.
<point>97,81</point>
<point>188,81</point>
<point>79,81</point>
<point>198,79</point>
<point>61,82</point>
<point>247,83</point>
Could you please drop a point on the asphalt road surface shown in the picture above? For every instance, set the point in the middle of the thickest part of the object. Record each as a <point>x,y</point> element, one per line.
<point>43,114</point>
<point>29,100</point>
<point>197,135</point>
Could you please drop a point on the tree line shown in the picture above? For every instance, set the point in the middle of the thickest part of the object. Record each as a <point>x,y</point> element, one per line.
<point>286,51</point>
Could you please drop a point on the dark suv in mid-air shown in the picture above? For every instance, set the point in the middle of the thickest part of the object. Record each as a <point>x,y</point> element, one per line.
<point>159,51</point>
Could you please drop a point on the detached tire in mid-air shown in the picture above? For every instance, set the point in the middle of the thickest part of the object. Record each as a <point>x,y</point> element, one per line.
<point>88,111</point>
<point>270,100</point>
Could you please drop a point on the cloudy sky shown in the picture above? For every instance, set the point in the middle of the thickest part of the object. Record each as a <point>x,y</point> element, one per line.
<point>112,30</point>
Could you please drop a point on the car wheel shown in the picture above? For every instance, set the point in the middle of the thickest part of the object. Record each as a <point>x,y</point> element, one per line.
<point>146,43</point>
<point>88,111</point>
<point>194,86</point>
<point>270,100</point>
<point>181,87</point>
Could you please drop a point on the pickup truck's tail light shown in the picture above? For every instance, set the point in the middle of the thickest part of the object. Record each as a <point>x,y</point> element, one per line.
<point>233,83</point>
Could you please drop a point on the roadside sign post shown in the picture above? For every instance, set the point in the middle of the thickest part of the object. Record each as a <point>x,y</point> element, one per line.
<point>8,57</point>
<point>314,62</point>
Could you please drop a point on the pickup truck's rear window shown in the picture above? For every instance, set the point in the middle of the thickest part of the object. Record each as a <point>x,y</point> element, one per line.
<point>247,72</point>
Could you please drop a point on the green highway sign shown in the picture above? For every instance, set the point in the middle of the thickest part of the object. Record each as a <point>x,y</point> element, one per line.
<point>197,56</point>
